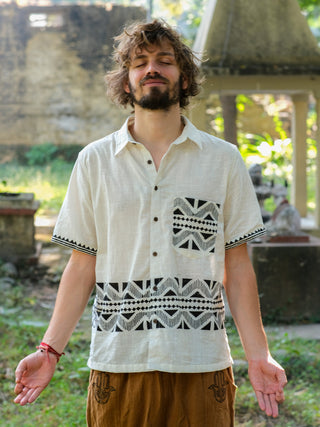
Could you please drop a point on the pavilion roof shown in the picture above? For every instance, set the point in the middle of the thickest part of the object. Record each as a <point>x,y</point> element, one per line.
<point>247,37</point>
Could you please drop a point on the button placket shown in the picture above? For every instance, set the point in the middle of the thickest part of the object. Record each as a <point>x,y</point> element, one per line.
<point>149,164</point>
<point>155,230</point>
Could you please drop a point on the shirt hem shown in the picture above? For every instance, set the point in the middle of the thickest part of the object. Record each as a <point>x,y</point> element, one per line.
<point>105,367</point>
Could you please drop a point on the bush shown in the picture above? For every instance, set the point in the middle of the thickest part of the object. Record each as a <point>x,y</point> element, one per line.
<point>41,154</point>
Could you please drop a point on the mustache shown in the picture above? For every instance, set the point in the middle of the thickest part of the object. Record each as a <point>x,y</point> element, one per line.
<point>156,77</point>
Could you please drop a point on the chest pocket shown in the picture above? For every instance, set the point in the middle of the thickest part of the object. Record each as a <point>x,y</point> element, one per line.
<point>195,224</point>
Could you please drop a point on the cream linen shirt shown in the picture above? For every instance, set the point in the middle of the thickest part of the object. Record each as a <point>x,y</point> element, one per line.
<point>160,239</point>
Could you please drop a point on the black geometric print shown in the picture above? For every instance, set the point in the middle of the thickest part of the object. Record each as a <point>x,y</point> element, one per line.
<point>174,303</point>
<point>73,245</point>
<point>242,239</point>
<point>195,224</point>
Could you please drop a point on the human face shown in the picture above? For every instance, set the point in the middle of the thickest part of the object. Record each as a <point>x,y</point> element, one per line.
<point>155,81</point>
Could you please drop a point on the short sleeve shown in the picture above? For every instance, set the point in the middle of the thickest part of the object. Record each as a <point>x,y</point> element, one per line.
<point>75,227</point>
<point>242,215</point>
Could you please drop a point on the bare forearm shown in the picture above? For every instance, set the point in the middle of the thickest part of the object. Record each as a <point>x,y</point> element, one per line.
<point>244,306</point>
<point>242,294</point>
<point>266,375</point>
<point>74,291</point>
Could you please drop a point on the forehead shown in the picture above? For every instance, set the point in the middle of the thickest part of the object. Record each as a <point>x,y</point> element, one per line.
<point>163,48</point>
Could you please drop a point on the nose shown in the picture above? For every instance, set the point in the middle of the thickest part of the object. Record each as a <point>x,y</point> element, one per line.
<point>152,68</point>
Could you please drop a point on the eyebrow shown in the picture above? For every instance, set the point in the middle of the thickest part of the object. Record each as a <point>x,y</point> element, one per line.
<point>159,54</point>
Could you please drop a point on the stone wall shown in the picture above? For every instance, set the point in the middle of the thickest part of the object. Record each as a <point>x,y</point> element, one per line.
<point>52,64</point>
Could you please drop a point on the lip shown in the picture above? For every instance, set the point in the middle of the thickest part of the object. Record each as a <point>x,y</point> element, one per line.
<point>153,83</point>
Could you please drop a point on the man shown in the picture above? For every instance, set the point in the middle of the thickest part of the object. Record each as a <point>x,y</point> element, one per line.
<point>158,215</point>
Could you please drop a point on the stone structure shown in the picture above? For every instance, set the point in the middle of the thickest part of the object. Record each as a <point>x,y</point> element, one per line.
<point>284,225</point>
<point>263,46</point>
<point>53,61</point>
<point>17,242</point>
<point>263,189</point>
<point>288,277</point>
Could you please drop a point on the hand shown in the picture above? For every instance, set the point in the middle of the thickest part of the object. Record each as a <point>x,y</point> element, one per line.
<point>268,379</point>
<point>33,374</point>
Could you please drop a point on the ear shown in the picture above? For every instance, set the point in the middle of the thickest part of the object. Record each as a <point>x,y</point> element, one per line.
<point>185,82</point>
<point>126,86</point>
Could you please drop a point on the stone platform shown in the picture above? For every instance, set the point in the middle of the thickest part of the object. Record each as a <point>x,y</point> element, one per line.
<point>288,276</point>
<point>17,242</point>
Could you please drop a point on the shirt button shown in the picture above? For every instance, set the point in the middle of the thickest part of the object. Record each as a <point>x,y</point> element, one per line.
<point>155,288</point>
<point>155,321</point>
<point>155,253</point>
<point>156,188</point>
<point>149,162</point>
<point>155,219</point>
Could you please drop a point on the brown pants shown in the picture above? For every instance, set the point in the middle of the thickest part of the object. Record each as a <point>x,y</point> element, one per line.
<point>161,399</point>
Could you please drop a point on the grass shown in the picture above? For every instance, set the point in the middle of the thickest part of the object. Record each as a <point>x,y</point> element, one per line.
<point>48,182</point>
<point>24,318</point>
<point>301,360</point>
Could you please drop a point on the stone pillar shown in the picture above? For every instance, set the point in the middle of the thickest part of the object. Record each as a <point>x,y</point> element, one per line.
<point>317,212</point>
<point>229,111</point>
<point>197,113</point>
<point>299,135</point>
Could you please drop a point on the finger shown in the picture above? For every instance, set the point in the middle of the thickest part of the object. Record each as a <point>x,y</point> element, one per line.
<point>282,379</point>
<point>17,399</point>
<point>274,405</point>
<point>268,409</point>
<point>21,395</point>
<point>35,394</point>
<point>18,388</point>
<point>19,371</point>
<point>261,401</point>
<point>26,397</point>
<point>280,396</point>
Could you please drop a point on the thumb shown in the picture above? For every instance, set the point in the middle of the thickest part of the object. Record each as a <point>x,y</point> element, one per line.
<point>20,370</point>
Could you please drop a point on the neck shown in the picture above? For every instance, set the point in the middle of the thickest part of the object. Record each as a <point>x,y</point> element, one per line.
<point>157,129</point>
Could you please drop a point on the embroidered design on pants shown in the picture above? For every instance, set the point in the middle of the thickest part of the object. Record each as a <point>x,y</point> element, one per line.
<point>102,388</point>
<point>195,225</point>
<point>219,387</point>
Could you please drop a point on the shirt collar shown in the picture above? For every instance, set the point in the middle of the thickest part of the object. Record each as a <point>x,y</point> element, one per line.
<point>189,132</point>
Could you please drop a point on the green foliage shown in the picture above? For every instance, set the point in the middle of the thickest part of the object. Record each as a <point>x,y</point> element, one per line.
<point>311,9</point>
<point>3,186</point>
<point>39,155</point>
<point>308,4</point>
<point>43,154</point>
<point>48,183</point>
<point>274,155</point>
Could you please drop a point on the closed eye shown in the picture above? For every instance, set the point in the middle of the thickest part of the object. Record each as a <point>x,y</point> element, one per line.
<point>140,65</point>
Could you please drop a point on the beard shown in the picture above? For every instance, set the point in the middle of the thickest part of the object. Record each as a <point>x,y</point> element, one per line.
<point>157,99</point>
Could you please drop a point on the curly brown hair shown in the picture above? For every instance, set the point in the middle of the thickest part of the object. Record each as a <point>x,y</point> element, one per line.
<point>140,35</point>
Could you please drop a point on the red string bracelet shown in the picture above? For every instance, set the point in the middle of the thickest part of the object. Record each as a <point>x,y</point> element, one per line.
<point>48,349</point>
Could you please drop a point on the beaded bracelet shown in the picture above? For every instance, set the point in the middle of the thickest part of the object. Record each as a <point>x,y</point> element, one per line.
<point>48,349</point>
